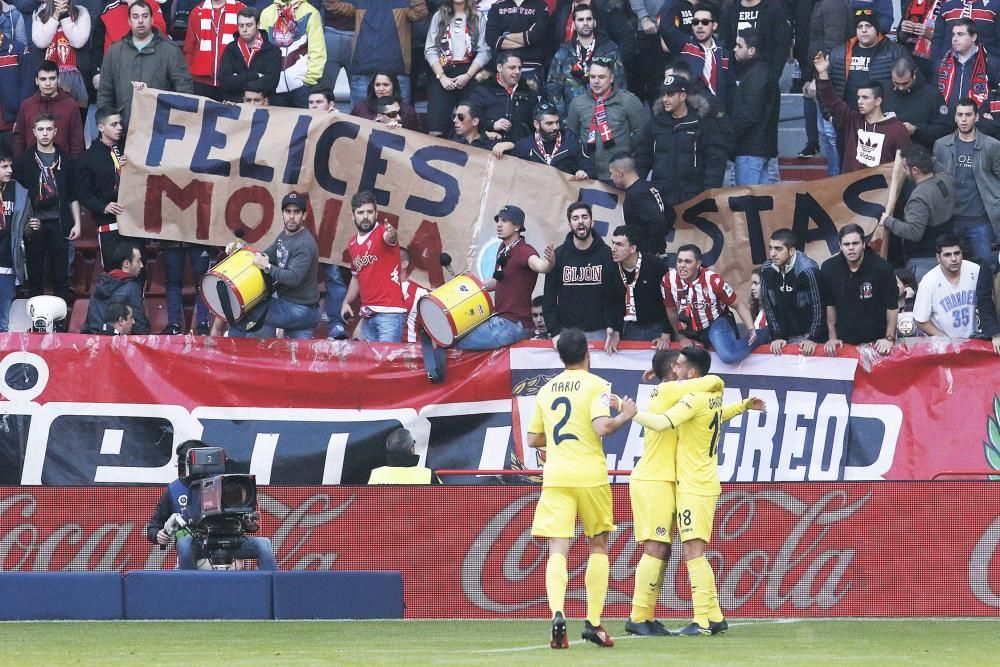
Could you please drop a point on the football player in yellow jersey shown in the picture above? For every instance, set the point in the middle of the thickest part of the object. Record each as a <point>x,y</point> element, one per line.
<point>571,415</point>
<point>698,417</point>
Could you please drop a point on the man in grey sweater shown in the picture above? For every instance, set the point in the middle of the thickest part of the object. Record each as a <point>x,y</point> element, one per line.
<point>928,211</point>
<point>291,262</point>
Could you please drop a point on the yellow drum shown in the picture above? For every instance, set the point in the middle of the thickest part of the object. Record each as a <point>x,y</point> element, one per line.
<point>234,286</point>
<point>454,309</point>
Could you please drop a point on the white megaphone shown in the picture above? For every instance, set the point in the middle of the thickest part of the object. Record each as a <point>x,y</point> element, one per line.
<point>44,311</point>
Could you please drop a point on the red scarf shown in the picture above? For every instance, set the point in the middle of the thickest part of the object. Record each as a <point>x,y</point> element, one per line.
<point>510,91</point>
<point>979,86</point>
<point>541,147</point>
<point>924,12</point>
<point>581,66</point>
<point>599,123</point>
<point>568,30</point>
<point>249,51</point>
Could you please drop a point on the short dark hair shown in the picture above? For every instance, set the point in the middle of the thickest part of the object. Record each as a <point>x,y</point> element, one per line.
<point>475,111</point>
<point>785,237</point>
<point>257,86</point>
<point>399,442</point>
<point>699,358</point>
<point>6,154</point>
<point>904,65</point>
<point>117,310</point>
<point>967,102</point>
<point>706,7</point>
<point>362,197</point>
<point>680,67</point>
<point>946,240</point>
<point>44,117</point>
<point>47,66</point>
<point>690,247</point>
<point>572,346</point>
<point>632,232</point>
<point>752,38</point>
<point>546,109</point>
<point>140,3</point>
<point>325,91</point>
<point>537,301</point>
<point>917,155</point>
<point>580,7</point>
<point>124,252</point>
<point>249,12</point>
<point>663,361</point>
<point>626,161</point>
<point>875,87</point>
<point>850,228</point>
<point>383,103</point>
<point>104,113</point>
<point>576,206</point>
<point>504,56</point>
<point>968,23</point>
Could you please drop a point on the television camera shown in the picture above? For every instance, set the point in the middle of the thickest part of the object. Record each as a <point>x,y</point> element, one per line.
<point>219,507</point>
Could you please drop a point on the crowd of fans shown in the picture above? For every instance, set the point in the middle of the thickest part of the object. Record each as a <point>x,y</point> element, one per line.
<point>661,98</point>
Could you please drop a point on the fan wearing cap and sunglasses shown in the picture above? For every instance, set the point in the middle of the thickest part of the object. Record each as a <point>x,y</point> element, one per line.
<point>550,145</point>
<point>513,280</point>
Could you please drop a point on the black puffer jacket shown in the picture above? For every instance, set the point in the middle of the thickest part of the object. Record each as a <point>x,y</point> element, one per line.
<point>751,102</point>
<point>494,103</point>
<point>687,155</point>
<point>886,53</point>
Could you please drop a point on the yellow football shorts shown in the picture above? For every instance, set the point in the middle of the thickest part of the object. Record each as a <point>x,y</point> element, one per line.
<point>653,505</point>
<point>695,516</point>
<point>558,507</point>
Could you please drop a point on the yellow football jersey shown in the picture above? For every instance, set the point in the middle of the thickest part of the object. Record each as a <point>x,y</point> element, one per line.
<point>659,455</point>
<point>698,418</point>
<point>564,410</point>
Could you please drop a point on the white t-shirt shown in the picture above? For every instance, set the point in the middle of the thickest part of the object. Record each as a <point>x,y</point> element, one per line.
<point>951,308</point>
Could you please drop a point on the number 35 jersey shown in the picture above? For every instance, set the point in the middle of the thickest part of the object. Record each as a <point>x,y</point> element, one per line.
<point>564,411</point>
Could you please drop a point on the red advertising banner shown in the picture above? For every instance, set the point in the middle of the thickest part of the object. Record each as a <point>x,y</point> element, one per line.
<point>778,550</point>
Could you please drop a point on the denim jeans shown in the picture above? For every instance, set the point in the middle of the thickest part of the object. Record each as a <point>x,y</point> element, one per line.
<point>750,170</point>
<point>297,320</point>
<point>258,548</point>
<point>336,289</point>
<point>338,55</point>
<point>494,333</point>
<point>828,141</point>
<point>296,99</point>
<point>359,87</point>
<point>976,237</point>
<point>7,292</point>
<point>727,342</point>
<point>173,261</point>
<point>641,332</point>
<point>384,327</point>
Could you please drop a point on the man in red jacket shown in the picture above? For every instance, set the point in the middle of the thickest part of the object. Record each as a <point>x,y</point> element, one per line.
<point>50,99</point>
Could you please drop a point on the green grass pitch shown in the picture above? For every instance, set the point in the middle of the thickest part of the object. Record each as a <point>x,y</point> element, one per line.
<point>801,642</point>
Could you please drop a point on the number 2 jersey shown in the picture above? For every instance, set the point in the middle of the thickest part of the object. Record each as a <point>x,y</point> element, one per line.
<point>564,410</point>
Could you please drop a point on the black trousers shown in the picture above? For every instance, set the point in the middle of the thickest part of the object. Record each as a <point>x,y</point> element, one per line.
<point>48,242</point>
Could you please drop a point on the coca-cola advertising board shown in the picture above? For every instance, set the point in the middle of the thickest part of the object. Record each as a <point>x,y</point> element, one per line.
<point>94,410</point>
<point>807,549</point>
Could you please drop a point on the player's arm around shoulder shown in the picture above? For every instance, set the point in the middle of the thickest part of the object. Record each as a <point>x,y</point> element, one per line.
<point>601,407</point>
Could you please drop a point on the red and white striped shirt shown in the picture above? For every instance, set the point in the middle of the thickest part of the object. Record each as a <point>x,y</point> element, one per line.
<point>700,302</point>
<point>412,291</point>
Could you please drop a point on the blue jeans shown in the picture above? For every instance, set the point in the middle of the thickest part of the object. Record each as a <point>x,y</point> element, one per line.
<point>494,333</point>
<point>828,141</point>
<point>336,289</point>
<point>727,342</point>
<point>7,292</point>
<point>338,55</point>
<point>359,87</point>
<point>173,261</point>
<point>976,236</point>
<point>258,548</point>
<point>750,170</point>
<point>641,332</point>
<point>384,327</point>
<point>297,320</point>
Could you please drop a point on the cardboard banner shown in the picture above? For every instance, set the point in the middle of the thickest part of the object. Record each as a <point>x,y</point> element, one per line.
<point>96,410</point>
<point>801,550</point>
<point>199,170</point>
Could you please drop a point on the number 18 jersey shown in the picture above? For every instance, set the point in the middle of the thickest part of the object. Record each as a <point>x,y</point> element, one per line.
<point>564,410</point>
<point>698,418</point>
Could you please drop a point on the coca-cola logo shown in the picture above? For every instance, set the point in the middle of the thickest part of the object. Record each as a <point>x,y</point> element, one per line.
<point>802,570</point>
<point>31,542</point>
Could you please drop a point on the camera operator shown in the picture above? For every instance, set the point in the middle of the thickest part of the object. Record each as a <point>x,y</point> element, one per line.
<point>174,501</point>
